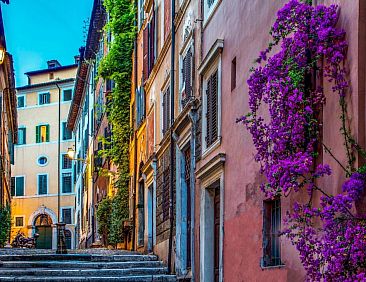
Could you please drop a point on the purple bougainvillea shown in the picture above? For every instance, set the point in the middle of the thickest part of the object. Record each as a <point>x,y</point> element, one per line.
<point>285,103</point>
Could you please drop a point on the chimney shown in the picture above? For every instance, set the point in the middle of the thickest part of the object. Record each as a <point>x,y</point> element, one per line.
<point>53,64</point>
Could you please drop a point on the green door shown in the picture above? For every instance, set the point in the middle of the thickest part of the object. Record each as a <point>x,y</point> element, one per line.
<point>44,240</point>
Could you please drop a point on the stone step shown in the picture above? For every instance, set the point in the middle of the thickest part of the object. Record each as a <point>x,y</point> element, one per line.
<point>78,257</point>
<point>80,264</point>
<point>136,278</point>
<point>39,272</point>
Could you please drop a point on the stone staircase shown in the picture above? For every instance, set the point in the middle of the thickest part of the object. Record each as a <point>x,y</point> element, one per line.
<point>25,266</point>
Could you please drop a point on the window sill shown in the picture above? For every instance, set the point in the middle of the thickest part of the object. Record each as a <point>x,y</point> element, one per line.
<point>212,147</point>
<point>272,267</point>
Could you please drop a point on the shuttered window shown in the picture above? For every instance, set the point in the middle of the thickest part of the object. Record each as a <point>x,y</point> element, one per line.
<point>17,186</point>
<point>42,133</point>
<point>67,95</point>
<point>22,136</point>
<point>212,109</point>
<point>42,184</point>
<point>166,110</point>
<point>21,102</point>
<point>149,47</point>
<point>44,98</point>
<point>66,133</point>
<point>167,16</point>
<point>187,77</point>
<point>67,182</point>
<point>66,216</point>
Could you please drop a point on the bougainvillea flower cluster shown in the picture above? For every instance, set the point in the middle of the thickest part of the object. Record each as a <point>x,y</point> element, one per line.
<point>285,104</point>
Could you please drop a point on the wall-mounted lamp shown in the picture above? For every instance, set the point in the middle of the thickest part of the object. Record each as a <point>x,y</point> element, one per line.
<point>2,54</point>
<point>71,155</point>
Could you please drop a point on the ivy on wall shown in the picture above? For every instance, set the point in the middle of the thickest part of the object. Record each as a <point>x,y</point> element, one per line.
<point>5,224</point>
<point>117,66</point>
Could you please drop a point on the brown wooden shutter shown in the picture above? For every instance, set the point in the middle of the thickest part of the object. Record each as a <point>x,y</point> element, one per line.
<point>166,18</point>
<point>208,113</point>
<point>145,69</point>
<point>214,111</point>
<point>188,74</point>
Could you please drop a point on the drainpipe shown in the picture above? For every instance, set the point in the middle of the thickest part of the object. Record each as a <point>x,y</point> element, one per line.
<point>135,138</point>
<point>193,118</point>
<point>172,143</point>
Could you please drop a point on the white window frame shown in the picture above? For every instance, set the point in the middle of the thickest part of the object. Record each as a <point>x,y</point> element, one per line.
<point>208,11</point>
<point>25,101</point>
<point>63,94</point>
<point>72,214</point>
<point>188,44</point>
<point>48,183</point>
<point>215,65</point>
<point>22,127</point>
<point>39,95</point>
<point>15,221</point>
<point>62,183</point>
<point>42,156</point>
<point>15,192</point>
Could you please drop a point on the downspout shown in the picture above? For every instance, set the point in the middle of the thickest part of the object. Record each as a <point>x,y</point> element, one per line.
<point>172,143</point>
<point>134,138</point>
<point>193,118</point>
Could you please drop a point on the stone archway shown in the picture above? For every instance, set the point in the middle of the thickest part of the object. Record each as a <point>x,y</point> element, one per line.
<point>42,210</point>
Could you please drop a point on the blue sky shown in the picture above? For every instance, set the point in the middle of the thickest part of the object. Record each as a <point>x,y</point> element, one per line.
<point>40,30</point>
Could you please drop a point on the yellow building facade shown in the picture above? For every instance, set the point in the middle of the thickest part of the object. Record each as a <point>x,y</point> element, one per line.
<point>40,197</point>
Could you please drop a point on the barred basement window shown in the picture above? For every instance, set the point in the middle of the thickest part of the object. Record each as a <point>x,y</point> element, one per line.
<point>19,221</point>
<point>271,233</point>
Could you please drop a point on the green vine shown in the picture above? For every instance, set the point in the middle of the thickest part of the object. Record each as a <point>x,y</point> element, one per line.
<point>117,66</point>
<point>5,224</point>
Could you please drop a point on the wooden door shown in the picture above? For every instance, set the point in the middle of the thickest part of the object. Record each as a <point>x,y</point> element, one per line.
<point>44,241</point>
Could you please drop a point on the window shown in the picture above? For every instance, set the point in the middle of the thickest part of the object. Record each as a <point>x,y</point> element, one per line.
<point>212,125</point>
<point>66,162</point>
<point>42,161</point>
<point>66,133</point>
<point>209,6</point>
<point>166,110</point>
<point>140,12</point>
<point>22,136</point>
<point>44,98</point>
<point>42,133</point>
<point>66,215</point>
<point>19,221</point>
<point>186,75</point>
<point>17,186</point>
<point>167,15</point>
<point>67,95</point>
<point>42,184</point>
<point>140,95</point>
<point>51,75</point>
<point>67,182</point>
<point>149,46</point>
<point>21,101</point>
<point>271,233</point>
<point>233,74</point>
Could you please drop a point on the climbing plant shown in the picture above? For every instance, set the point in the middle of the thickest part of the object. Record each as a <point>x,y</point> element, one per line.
<point>5,224</point>
<point>285,106</point>
<point>104,219</point>
<point>117,66</point>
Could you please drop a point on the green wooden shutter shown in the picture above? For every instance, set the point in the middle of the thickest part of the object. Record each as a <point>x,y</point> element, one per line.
<point>19,185</point>
<point>47,133</point>
<point>42,184</point>
<point>12,186</point>
<point>38,134</point>
<point>24,135</point>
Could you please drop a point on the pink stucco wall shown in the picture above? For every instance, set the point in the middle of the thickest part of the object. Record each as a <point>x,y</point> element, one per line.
<point>244,26</point>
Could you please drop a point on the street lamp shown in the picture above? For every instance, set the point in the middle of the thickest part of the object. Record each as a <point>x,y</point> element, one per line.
<point>71,156</point>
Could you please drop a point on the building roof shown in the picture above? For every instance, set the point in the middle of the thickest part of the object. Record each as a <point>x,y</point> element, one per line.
<point>96,25</point>
<point>79,92</point>
<point>26,87</point>
<point>97,22</point>
<point>30,73</point>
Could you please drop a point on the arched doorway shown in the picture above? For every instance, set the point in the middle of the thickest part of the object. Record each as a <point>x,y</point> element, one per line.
<point>43,224</point>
